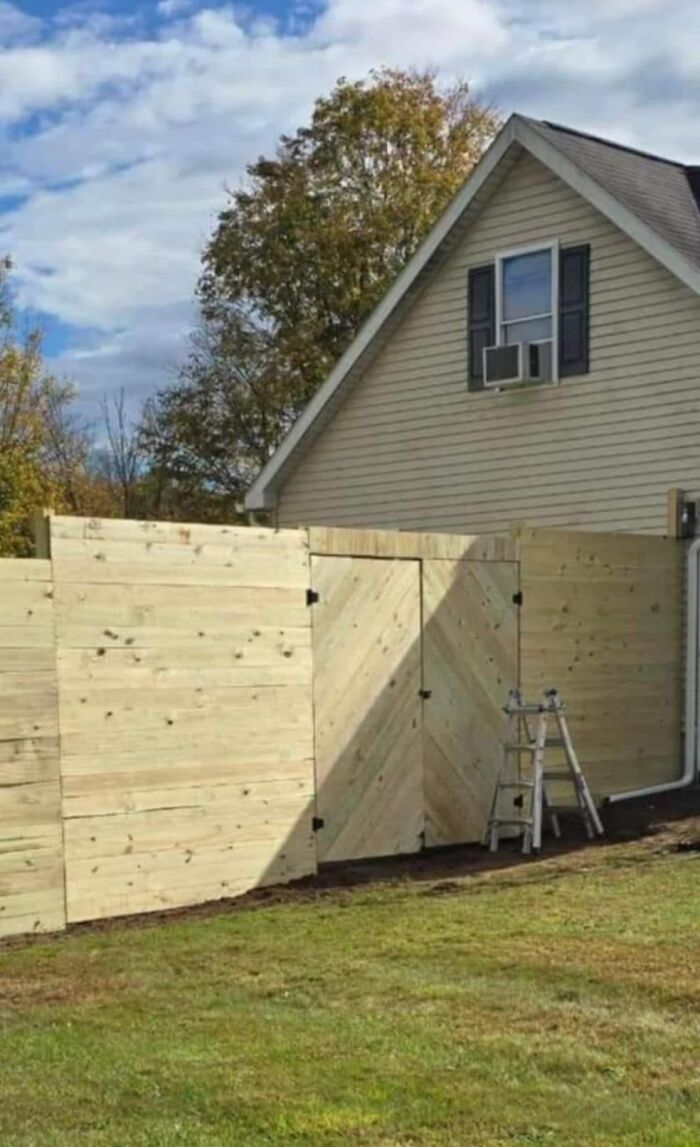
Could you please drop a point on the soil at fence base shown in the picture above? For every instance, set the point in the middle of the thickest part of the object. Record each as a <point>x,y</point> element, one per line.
<point>668,821</point>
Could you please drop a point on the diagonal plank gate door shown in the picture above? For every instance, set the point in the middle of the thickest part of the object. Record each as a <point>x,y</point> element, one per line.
<point>470,656</point>
<point>412,663</point>
<point>367,706</point>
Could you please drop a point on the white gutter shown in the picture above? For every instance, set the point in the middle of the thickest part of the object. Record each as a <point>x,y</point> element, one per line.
<point>690,768</point>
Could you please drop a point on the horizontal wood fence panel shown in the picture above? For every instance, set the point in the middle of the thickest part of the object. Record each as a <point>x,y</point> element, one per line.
<point>603,622</point>
<point>161,789</point>
<point>182,534</point>
<point>104,552</point>
<point>31,847</point>
<point>18,570</point>
<point>172,878</point>
<point>185,711</point>
<point>247,648</point>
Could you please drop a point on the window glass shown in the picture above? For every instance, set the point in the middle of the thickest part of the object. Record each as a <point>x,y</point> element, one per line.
<point>528,331</point>
<point>527,285</point>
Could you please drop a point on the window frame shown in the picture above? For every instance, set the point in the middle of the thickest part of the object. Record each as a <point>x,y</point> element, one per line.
<point>531,249</point>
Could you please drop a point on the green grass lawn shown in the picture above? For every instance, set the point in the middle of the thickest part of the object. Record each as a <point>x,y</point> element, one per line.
<point>553,1003</point>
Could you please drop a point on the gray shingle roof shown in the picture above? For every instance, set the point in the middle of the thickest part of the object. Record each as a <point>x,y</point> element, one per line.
<point>658,191</point>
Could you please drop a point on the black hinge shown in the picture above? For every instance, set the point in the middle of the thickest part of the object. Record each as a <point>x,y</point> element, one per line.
<point>311,596</point>
<point>425,693</point>
<point>518,598</point>
<point>317,823</point>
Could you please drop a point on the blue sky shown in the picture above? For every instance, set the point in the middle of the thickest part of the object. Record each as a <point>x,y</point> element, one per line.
<point>122,123</point>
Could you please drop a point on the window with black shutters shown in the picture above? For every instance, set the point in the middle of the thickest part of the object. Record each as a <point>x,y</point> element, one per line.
<point>532,295</point>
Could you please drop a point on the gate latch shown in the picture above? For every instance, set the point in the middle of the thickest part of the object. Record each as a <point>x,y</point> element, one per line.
<point>425,693</point>
<point>311,596</point>
<point>317,822</point>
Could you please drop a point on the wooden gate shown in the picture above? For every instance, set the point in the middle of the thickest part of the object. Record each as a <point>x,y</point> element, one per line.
<point>470,651</point>
<point>367,706</point>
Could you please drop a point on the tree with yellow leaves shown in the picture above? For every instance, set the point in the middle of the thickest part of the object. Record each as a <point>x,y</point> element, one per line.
<point>42,446</point>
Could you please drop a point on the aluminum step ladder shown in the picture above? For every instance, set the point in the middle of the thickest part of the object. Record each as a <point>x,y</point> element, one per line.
<point>530,798</point>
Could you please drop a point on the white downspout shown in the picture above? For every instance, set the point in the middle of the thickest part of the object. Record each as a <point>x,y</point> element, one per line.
<point>690,768</point>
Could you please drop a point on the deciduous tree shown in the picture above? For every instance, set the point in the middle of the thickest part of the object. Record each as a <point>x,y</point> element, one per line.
<point>300,256</point>
<point>312,240</point>
<point>40,452</point>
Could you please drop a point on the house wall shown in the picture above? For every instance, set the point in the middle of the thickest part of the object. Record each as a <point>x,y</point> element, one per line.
<point>411,448</point>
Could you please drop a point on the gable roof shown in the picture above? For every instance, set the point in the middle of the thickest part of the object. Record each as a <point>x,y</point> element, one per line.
<point>653,200</point>
<point>659,191</point>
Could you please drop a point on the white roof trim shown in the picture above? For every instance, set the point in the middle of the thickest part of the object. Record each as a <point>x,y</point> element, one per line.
<point>262,494</point>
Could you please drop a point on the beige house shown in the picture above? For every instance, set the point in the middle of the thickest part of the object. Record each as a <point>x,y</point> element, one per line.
<point>537,362</point>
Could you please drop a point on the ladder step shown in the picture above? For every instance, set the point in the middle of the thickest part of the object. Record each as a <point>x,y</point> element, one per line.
<point>573,808</point>
<point>560,775</point>
<point>530,746</point>
<point>516,784</point>
<point>496,821</point>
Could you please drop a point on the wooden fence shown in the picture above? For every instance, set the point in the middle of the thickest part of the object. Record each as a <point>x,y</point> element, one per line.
<point>31,852</point>
<point>178,724</point>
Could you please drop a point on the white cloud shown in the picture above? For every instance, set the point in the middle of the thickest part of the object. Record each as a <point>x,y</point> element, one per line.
<point>173,7</point>
<point>134,134</point>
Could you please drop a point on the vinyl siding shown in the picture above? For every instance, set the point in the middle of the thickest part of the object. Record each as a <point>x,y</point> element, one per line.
<point>411,448</point>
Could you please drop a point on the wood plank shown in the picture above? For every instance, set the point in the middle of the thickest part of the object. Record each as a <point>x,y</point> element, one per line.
<point>182,534</point>
<point>263,752</point>
<point>28,637</point>
<point>470,642</point>
<point>28,659</point>
<point>170,878</point>
<point>26,603</point>
<point>366,636</point>
<point>40,870</point>
<point>166,788</point>
<point>155,563</point>
<point>138,616</point>
<point>31,913</point>
<point>25,807</point>
<point>19,686</point>
<point>24,570</point>
<point>603,622</point>
<point>271,713</point>
<point>247,646</point>
<point>232,820</point>
<point>93,704</point>
<point>405,544</point>
<point>101,674</point>
<point>27,759</point>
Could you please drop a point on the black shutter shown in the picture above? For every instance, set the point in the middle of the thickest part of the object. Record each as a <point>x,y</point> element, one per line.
<point>573,310</point>
<point>481,320</point>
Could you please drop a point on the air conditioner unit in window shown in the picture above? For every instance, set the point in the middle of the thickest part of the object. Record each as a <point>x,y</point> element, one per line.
<point>517,363</point>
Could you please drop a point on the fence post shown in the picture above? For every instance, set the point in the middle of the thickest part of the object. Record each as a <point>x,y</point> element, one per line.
<point>41,529</point>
